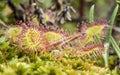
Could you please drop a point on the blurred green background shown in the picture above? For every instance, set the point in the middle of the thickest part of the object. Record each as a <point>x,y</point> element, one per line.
<point>103,8</point>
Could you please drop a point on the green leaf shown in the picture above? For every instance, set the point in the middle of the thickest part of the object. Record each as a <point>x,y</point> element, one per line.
<point>105,56</point>
<point>112,19</point>
<point>115,46</point>
<point>91,14</point>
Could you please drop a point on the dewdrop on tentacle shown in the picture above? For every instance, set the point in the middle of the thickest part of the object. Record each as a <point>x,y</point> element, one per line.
<point>32,40</point>
<point>26,36</point>
<point>13,33</point>
<point>52,36</point>
<point>95,28</point>
<point>30,37</point>
<point>88,46</point>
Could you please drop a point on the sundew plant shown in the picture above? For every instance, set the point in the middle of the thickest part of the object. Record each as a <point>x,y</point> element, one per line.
<point>40,40</point>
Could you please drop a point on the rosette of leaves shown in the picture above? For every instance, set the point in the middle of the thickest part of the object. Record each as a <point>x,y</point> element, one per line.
<point>31,37</point>
<point>89,41</point>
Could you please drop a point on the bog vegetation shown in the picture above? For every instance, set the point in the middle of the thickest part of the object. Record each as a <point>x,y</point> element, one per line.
<point>38,39</point>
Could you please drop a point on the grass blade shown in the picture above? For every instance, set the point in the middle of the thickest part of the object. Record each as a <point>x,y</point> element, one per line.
<point>114,15</point>
<point>91,14</point>
<point>105,55</point>
<point>115,46</point>
<point>111,23</point>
